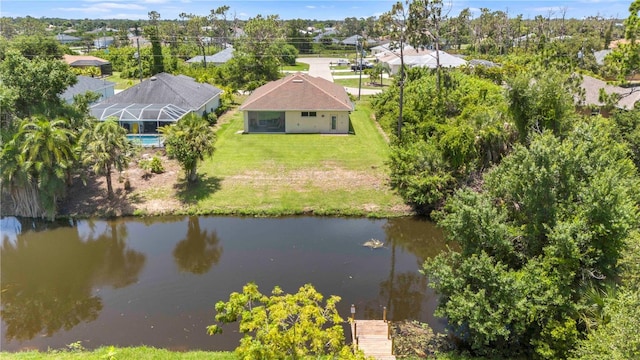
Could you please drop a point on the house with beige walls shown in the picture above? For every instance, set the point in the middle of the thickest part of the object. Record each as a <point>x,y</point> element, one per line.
<point>298,103</point>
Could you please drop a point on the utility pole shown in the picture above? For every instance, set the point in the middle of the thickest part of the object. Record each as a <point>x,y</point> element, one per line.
<point>359,65</point>
<point>139,55</point>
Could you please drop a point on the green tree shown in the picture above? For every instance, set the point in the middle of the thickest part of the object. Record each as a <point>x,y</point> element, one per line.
<point>153,32</point>
<point>284,326</point>
<point>108,149</point>
<point>37,46</point>
<point>35,164</point>
<point>544,101</point>
<point>446,141</point>
<point>393,23</point>
<point>257,57</point>
<point>289,54</point>
<point>424,27</point>
<point>189,141</point>
<point>617,338</point>
<point>550,223</point>
<point>298,36</point>
<point>628,124</point>
<point>37,83</point>
<point>218,18</point>
<point>626,58</point>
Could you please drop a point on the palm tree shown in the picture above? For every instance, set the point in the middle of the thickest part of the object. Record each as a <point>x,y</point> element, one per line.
<point>199,250</point>
<point>189,140</point>
<point>108,148</point>
<point>35,164</point>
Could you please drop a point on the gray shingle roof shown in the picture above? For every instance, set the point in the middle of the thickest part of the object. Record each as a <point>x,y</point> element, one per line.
<point>164,88</point>
<point>600,55</point>
<point>85,84</point>
<point>352,40</point>
<point>64,37</point>
<point>220,57</point>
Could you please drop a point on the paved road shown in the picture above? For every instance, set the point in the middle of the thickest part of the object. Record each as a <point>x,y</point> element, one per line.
<point>319,67</point>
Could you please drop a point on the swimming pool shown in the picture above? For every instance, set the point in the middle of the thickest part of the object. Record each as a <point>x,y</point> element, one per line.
<point>146,140</point>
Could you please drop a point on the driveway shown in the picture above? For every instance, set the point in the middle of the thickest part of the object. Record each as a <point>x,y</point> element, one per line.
<point>319,67</point>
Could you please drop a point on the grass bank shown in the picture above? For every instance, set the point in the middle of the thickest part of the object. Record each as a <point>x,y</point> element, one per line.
<point>111,352</point>
<point>121,83</point>
<point>287,174</point>
<point>144,353</point>
<point>297,67</point>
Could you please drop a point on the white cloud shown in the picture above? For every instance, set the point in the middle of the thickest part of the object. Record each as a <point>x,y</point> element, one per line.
<point>546,9</point>
<point>88,9</point>
<point>310,7</point>
<point>131,16</point>
<point>103,8</point>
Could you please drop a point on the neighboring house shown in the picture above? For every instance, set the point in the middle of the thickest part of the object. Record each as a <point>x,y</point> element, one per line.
<point>85,84</point>
<point>298,103</point>
<point>81,61</point>
<point>160,100</point>
<point>67,39</point>
<point>352,40</point>
<point>103,42</point>
<point>216,59</point>
<point>420,58</point>
<point>381,49</point>
<point>628,97</point>
<point>329,33</point>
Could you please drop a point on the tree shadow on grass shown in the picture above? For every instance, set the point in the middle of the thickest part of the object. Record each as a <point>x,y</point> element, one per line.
<point>191,193</point>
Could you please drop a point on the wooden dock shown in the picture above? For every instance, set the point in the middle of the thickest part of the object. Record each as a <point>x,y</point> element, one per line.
<point>373,337</point>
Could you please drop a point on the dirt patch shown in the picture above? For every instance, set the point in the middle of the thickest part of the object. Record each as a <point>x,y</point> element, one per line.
<point>90,198</point>
<point>300,180</point>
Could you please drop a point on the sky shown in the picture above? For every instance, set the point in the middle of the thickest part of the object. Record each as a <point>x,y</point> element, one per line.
<point>292,9</point>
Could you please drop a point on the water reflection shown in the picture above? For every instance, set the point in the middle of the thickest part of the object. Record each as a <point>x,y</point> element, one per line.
<point>415,235</point>
<point>35,300</point>
<point>199,250</point>
<point>405,292</point>
<point>154,281</point>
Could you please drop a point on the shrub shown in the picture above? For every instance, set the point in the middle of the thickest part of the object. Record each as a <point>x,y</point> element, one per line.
<point>153,165</point>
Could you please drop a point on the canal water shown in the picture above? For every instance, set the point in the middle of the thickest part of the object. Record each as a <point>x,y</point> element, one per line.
<point>155,281</point>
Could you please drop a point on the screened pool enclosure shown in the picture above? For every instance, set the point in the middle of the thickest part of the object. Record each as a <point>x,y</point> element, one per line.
<point>140,118</point>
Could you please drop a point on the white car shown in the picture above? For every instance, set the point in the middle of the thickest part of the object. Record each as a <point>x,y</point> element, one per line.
<point>342,62</point>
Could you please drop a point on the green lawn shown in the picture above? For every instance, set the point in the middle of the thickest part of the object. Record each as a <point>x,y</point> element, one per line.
<point>340,67</point>
<point>297,67</point>
<point>280,174</point>
<point>353,83</point>
<point>121,83</point>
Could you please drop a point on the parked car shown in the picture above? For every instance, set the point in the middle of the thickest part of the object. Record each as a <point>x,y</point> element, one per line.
<point>342,62</point>
<point>361,66</point>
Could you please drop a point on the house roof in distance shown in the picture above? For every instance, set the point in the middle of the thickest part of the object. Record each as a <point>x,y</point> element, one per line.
<point>220,57</point>
<point>299,92</point>
<point>592,86</point>
<point>164,88</point>
<point>65,37</point>
<point>84,60</point>
<point>84,84</point>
